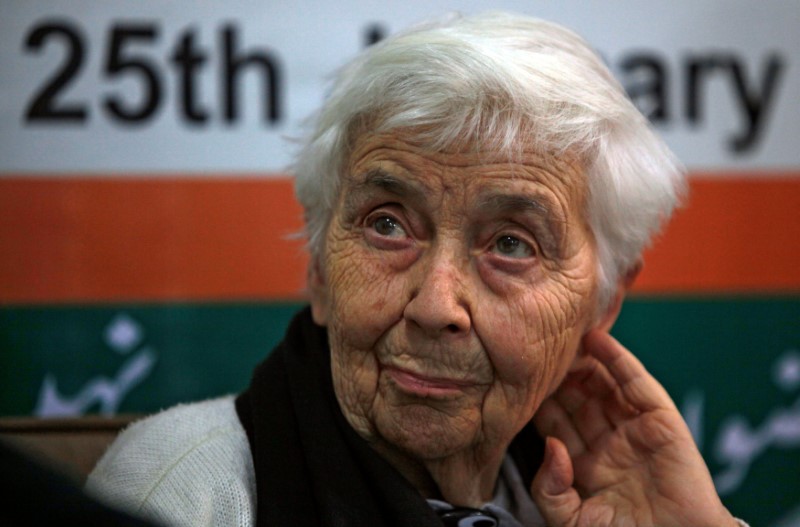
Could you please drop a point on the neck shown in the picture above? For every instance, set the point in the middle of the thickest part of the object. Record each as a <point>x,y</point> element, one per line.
<point>464,479</point>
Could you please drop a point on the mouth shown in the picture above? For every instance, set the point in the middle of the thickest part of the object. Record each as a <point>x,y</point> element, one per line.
<point>424,385</point>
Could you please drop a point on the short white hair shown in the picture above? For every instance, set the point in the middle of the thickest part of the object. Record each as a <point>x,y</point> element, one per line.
<point>507,82</point>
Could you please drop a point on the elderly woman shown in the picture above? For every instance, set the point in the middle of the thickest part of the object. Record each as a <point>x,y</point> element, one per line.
<point>477,196</point>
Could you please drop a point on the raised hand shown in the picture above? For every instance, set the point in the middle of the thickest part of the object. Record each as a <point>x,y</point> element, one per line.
<point>618,452</point>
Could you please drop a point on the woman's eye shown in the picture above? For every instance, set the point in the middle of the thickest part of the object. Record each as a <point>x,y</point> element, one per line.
<point>513,247</point>
<point>388,226</point>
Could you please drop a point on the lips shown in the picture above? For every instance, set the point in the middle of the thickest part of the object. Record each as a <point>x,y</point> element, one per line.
<point>425,385</point>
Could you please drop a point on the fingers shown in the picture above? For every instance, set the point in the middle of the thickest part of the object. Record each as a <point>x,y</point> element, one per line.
<point>593,400</point>
<point>552,420</point>
<point>592,382</point>
<point>638,388</point>
<point>607,389</point>
<point>552,488</point>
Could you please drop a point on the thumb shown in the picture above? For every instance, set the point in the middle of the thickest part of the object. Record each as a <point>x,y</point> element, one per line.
<point>558,502</point>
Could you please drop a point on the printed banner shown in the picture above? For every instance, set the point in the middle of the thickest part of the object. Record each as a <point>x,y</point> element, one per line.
<point>204,88</point>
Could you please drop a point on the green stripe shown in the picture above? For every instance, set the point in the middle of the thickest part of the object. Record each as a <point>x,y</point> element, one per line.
<point>727,350</point>
<point>200,350</point>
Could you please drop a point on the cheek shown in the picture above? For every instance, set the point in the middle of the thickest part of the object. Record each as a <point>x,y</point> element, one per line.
<point>531,343</point>
<point>366,295</point>
<point>366,292</point>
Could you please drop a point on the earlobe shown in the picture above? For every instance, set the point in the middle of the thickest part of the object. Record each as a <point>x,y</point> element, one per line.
<point>624,283</point>
<point>319,292</point>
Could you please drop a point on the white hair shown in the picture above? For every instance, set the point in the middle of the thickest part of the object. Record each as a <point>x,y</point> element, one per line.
<point>507,82</point>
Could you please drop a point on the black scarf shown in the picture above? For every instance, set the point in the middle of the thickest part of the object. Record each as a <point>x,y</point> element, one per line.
<point>311,467</point>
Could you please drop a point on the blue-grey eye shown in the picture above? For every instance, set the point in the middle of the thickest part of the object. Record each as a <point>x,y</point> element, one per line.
<point>512,246</point>
<point>388,226</point>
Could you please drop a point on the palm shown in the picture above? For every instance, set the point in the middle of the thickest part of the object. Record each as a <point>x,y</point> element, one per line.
<point>619,452</point>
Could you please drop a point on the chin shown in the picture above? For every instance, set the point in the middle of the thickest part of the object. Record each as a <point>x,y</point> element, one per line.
<point>426,433</point>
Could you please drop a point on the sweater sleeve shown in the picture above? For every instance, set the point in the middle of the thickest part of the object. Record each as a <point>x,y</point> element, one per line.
<point>189,466</point>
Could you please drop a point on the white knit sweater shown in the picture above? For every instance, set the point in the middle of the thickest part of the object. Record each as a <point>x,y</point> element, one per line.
<point>188,466</point>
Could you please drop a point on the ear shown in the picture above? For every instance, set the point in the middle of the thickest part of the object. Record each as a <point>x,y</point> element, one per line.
<point>318,289</point>
<point>615,306</point>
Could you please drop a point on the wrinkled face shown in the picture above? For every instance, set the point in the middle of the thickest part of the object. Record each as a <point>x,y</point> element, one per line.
<point>455,287</point>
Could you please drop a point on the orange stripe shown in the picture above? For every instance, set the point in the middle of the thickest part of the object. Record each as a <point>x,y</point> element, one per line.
<point>738,234</point>
<point>150,239</point>
<point>67,239</point>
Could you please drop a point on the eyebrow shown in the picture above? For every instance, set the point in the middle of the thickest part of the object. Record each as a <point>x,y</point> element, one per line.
<point>513,203</point>
<point>550,235</point>
<point>377,178</point>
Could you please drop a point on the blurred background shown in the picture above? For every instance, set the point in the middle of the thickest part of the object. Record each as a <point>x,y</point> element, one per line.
<point>147,212</point>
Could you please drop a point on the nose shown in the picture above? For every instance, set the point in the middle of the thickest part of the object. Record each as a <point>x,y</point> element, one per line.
<point>439,301</point>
